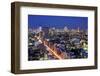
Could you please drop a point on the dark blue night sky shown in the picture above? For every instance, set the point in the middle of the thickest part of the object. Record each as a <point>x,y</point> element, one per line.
<point>34,21</point>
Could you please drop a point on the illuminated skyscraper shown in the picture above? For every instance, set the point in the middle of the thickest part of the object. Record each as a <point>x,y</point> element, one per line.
<point>78,29</point>
<point>45,31</point>
<point>65,29</point>
<point>52,31</point>
<point>40,29</point>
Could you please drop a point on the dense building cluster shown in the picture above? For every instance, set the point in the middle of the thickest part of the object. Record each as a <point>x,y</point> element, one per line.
<point>45,43</point>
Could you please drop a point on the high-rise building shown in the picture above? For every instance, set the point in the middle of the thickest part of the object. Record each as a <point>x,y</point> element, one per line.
<point>78,29</point>
<point>65,29</point>
<point>45,31</point>
<point>52,31</point>
<point>40,29</point>
<point>41,34</point>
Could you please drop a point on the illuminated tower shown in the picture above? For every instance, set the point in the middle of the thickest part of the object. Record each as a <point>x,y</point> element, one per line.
<point>78,29</point>
<point>52,31</point>
<point>41,34</point>
<point>45,31</point>
<point>65,29</point>
<point>40,29</point>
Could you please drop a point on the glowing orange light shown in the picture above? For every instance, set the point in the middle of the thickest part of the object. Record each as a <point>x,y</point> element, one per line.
<point>50,50</point>
<point>54,53</point>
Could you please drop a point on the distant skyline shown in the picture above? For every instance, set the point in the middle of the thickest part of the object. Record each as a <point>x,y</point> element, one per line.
<point>34,21</point>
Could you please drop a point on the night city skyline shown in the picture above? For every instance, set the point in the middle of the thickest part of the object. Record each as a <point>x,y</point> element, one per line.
<point>35,21</point>
<point>57,37</point>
